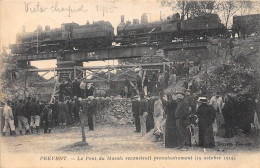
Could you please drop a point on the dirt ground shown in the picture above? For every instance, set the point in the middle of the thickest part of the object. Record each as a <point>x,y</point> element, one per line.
<point>114,139</point>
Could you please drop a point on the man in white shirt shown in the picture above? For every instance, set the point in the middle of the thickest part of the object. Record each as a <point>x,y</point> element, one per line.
<point>9,119</point>
<point>217,102</point>
<point>82,86</point>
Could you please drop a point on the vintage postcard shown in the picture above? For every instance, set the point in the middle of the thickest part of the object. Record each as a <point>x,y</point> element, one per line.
<point>129,83</point>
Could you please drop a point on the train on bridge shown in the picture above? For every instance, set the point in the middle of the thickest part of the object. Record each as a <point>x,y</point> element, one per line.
<point>90,37</point>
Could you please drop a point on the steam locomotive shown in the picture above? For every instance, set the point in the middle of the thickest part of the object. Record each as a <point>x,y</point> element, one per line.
<point>171,29</point>
<point>70,36</point>
<point>90,37</point>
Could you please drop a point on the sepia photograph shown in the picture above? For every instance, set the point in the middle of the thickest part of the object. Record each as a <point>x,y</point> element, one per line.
<point>129,83</point>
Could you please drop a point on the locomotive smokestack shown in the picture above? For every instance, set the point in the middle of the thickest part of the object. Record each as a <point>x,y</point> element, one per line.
<point>135,21</point>
<point>122,19</point>
<point>39,28</point>
<point>144,18</point>
<point>47,27</point>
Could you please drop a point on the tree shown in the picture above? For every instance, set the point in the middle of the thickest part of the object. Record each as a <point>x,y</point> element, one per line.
<point>245,7</point>
<point>190,8</point>
<point>227,9</point>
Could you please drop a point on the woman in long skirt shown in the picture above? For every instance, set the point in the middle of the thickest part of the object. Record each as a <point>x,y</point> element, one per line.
<point>207,115</point>
<point>170,105</point>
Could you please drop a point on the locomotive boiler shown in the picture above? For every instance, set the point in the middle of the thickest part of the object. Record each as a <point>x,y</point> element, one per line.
<point>70,36</point>
<point>173,28</point>
<point>158,31</point>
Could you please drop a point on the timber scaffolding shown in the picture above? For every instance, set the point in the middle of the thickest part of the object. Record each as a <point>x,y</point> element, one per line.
<point>83,73</point>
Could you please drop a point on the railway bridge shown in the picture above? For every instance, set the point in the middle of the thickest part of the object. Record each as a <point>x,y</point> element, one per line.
<point>114,52</point>
<point>70,64</point>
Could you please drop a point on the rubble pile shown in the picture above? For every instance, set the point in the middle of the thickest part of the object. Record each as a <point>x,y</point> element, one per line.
<point>113,110</point>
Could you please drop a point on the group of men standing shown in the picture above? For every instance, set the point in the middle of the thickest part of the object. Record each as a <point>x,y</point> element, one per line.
<point>27,113</point>
<point>30,113</point>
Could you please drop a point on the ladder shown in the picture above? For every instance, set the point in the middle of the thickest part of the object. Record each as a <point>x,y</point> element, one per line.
<point>55,90</point>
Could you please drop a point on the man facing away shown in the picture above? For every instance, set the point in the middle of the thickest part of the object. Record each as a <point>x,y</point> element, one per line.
<point>35,116</point>
<point>22,120</point>
<point>9,119</point>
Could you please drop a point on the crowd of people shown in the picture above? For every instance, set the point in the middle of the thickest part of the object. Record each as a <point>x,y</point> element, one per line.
<point>174,117</point>
<point>33,115</point>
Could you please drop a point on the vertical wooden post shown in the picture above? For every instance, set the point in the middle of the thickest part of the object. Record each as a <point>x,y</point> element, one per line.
<point>75,72</point>
<point>84,74</point>
<point>83,131</point>
<point>164,68</point>
<point>109,76</point>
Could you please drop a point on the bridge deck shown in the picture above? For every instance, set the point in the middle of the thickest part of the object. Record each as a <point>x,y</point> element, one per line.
<point>116,52</point>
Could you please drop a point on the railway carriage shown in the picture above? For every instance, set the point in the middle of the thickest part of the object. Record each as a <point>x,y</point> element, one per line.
<point>246,25</point>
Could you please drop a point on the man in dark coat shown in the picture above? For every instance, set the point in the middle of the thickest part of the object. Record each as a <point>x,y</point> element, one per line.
<point>35,115</point>
<point>135,110</point>
<point>143,113</point>
<point>127,87</point>
<point>76,87</point>
<point>22,120</point>
<point>62,90</point>
<point>181,115</point>
<point>191,100</point>
<point>246,107</point>
<point>76,109</point>
<point>150,120</point>
<point>193,87</point>
<point>62,115</point>
<point>170,105</point>
<point>69,115</point>
<point>228,113</point>
<point>47,118</point>
<point>69,88</point>
<point>153,83</point>
<point>206,115</point>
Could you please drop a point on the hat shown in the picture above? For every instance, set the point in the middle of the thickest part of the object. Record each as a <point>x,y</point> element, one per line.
<point>174,97</point>
<point>80,99</point>
<point>188,90</point>
<point>180,92</point>
<point>202,100</point>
